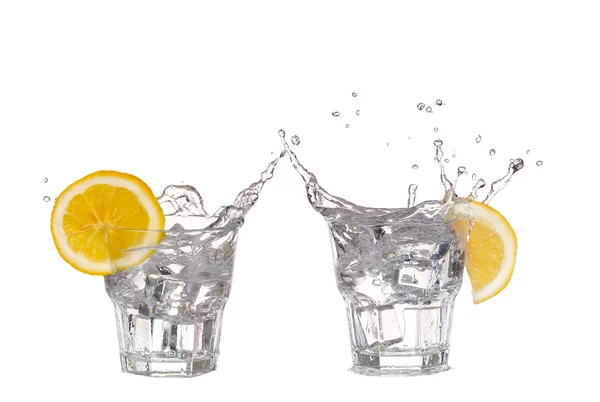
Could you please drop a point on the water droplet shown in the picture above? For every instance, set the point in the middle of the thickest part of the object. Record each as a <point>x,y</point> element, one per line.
<point>376,282</point>
<point>492,152</point>
<point>335,114</point>
<point>295,140</point>
<point>409,138</point>
<point>528,152</point>
<point>461,169</point>
<point>478,139</point>
<point>358,112</point>
<point>539,163</point>
<point>438,102</point>
<point>354,94</point>
<point>438,143</point>
<point>421,106</point>
<point>447,160</point>
<point>429,109</point>
<point>454,155</point>
<point>46,199</point>
<point>347,125</point>
<point>415,166</point>
<point>45,180</point>
<point>387,144</point>
<point>474,176</point>
<point>435,129</point>
<point>282,133</point>
<point>272,152</point>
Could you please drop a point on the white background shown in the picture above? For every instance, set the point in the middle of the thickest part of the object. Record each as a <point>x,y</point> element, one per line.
<point>190,91</point>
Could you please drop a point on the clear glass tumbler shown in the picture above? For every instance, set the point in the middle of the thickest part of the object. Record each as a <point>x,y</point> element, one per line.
<point>169,309</point>
<point>399,282</point>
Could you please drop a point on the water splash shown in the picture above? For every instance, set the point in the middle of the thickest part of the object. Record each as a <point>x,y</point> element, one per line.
<point>439,154</point>
<point>498,185</point>
<point>479,185</point>
<point>412,195</point>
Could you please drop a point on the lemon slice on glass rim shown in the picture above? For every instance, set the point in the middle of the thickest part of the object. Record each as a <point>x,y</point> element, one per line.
<point>88,216</point>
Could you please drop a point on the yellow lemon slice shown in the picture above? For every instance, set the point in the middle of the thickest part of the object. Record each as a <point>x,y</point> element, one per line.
<point>491,251</point>
<point>88,215</point>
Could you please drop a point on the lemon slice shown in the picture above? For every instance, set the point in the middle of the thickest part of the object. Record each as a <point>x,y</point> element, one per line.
<point>491,250</point>
<point>87,217</point>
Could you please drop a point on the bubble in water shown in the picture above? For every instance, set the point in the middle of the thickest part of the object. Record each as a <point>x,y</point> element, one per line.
<point>474,176</point>
<point>539,163</point>
<point>435,129</point>
<point>282,133</point>
<point>492,152</point>
<point>415,166</point>
<point>478,139</point>
<point>295,140</point>
<point>358,112</point>
<point>447,160</point>
<point>528,152</point>
<point>45,180</point>
<point>429,109</point>
<point>354,94</point>
<point>438,102</point>
<point>46,199</point>
<point>376,282</point>
<point>335,114</point>
<point>438,143</point>
<point>461,169</point>
<point>421,106</point>
<point>347,125</point>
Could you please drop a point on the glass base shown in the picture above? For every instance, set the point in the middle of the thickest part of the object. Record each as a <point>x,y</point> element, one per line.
<point>167,367</point>
<point>409,363</point>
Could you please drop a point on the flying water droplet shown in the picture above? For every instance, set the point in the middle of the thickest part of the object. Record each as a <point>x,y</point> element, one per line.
<point>376,282</point>
<point>447,160</point>
<point>499,184</point>
<point>295,140</point>
<point>435,129</point>
<point>478,139</point>
<point>282,133</point>
<point>415,166</point>
<point>539,163</point>
<point>387,144</point>
<point>492,152</point>
<point>479,185</point>
<point>421,106</point>
<point>354,94</point>
<point>438,143</point>
<point>474,176</point>
<point>409,138</point>
<point>272,153</point>
<point>528,152</point>
<point>347,125</point>
<point>358,112</point>
<point>45,180</point>
<point>46,199</point>
<point>461,169</point>
<point>335,114</point>
<point>429,109</point>
<point>412,195</point>
<point>438,102</point>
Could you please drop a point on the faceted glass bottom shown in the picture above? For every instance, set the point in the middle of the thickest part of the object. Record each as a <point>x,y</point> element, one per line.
<point>167,367</point>
<point>399,364</point>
